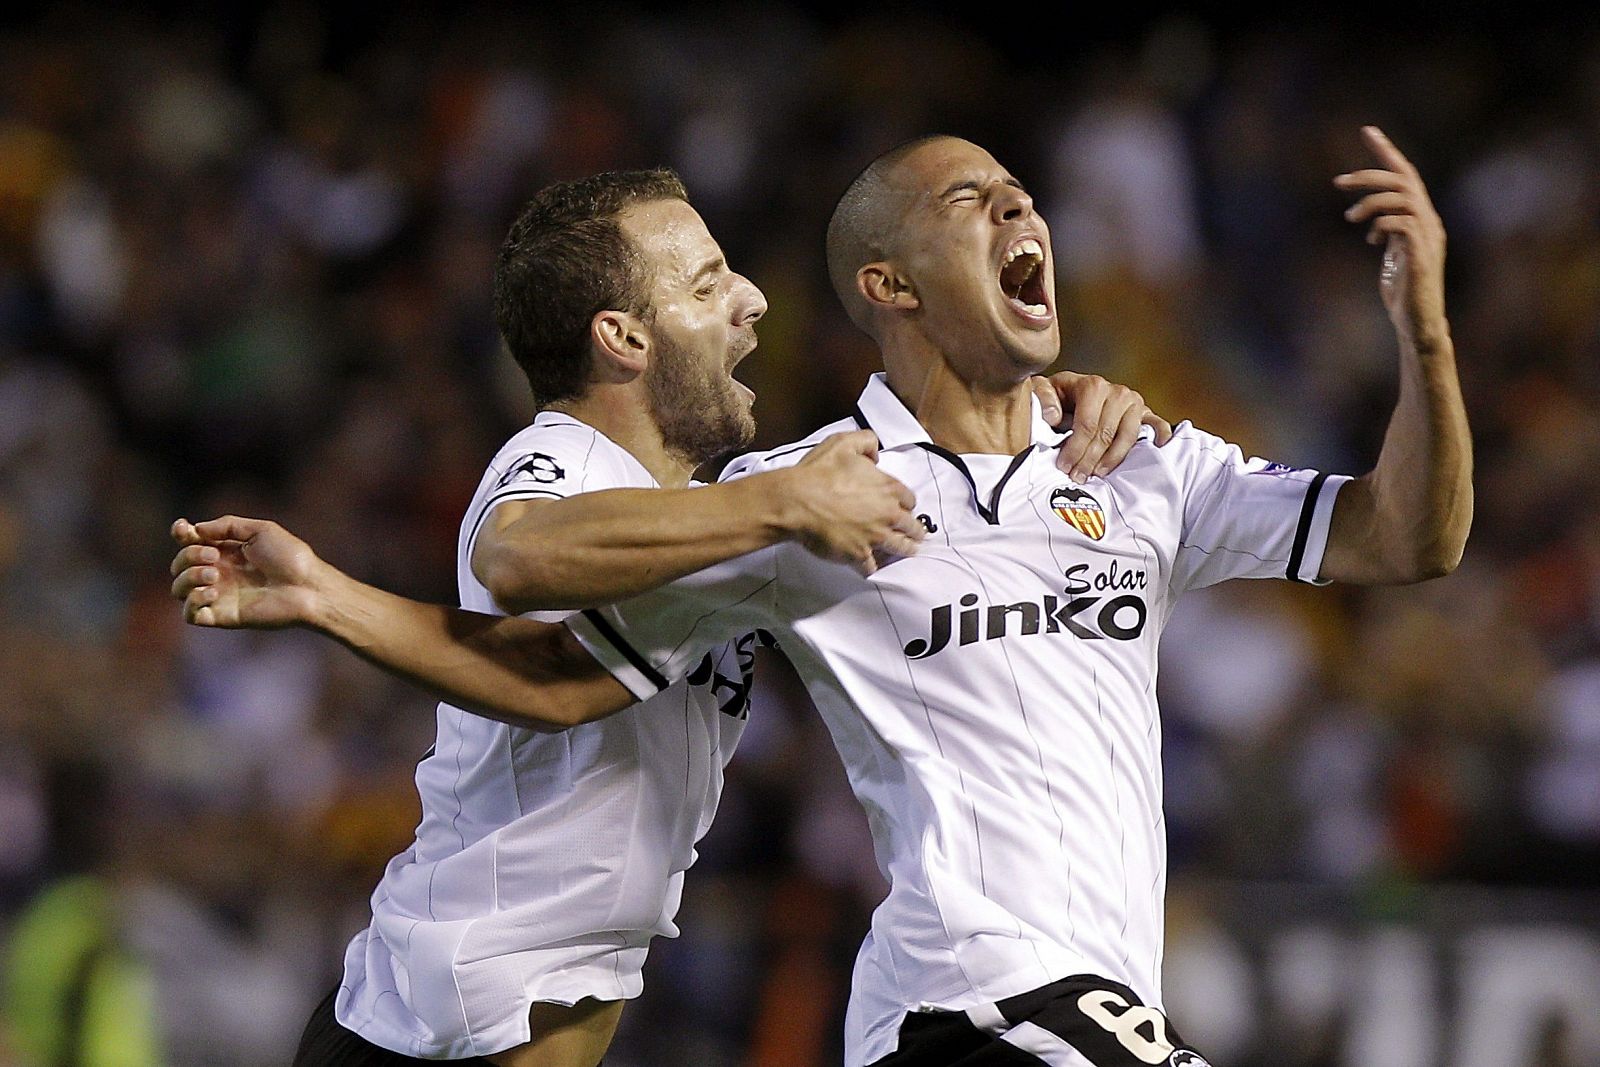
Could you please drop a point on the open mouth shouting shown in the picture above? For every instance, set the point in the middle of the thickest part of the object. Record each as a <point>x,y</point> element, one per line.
<point>1022,280</point>
<point>742,349</point>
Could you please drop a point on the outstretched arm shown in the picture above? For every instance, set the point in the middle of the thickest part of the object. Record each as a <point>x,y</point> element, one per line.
<point>601,547</point>
<point>236,572</point>
<point>1408,519</point>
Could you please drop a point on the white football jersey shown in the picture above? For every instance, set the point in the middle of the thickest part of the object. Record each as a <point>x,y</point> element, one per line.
<point>544,862</point>
<point>993,696</point>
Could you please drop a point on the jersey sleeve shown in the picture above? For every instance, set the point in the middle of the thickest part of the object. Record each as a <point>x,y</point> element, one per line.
<point>656,638</point>
<point>1248,517</point>
<point>545,463</point>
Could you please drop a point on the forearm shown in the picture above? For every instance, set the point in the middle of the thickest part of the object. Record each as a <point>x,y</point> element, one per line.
<point>1408,519</point>
<point>598,548</point>
<point>515,670</point>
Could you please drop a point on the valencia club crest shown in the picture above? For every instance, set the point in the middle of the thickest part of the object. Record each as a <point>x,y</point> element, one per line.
<point>1080,511</point>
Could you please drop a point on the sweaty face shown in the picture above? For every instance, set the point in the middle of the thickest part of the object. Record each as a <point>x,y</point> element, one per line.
<point>702,324</point>
<point>978,259</point>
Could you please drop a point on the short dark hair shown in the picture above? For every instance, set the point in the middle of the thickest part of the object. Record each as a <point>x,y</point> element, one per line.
<point>564,260</point>
<point>863,222</point>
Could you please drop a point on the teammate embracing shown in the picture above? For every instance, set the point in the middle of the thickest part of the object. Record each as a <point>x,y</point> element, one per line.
<point>515,926</point>
<point>992,694</point>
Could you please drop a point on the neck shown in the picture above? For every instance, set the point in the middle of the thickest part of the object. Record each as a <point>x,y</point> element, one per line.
<point>622,413</point>
<point>963,416</point>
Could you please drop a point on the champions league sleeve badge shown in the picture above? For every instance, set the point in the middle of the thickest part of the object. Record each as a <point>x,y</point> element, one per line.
<point>1080,511</point>
<point>539,467</point>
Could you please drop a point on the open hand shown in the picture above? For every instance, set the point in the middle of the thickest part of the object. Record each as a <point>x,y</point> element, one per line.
<point>849,510</point>
<point>236,572</point>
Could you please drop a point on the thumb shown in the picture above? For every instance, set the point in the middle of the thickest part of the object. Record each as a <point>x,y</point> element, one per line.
<point>1049,400</point>
<point>231,528</point>
<point>184,533</point>
<point>864,442</point>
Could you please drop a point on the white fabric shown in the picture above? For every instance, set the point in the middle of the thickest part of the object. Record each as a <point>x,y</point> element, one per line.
<point>544,862</point>
<point>993,696</point>
<point>1045,1045</point>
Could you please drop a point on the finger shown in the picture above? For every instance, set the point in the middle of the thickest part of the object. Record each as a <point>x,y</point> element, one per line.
<point>908,525</point>
<point>903,494</point>
<point>1379,203</point>
<point>1385,226</point>
<point>1122,442</point>
<point>232,528</point>
<point>1162,427</point>
<point>1049,400</point>
<point>864,442</point>
<point>1094,455</point>
<point>200,596</point>
<point>1084,445</point>
<point>1372,179</point>
<point>1386,150</point>
<point>898,544</point>
<point>183,532</point>
<point>193,555</point>
<point>200,612</point>
<point>191,579</point>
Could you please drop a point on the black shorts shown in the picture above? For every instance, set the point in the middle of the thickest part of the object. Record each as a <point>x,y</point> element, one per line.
<point>327,1044</point>
<point>1081,1021</point>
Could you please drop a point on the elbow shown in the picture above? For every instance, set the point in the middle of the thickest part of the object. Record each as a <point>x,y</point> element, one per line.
<point>1440,540</point>
<point>514,584</point>
<point>1436,559</point>
<point>1441,553</point>
<point>1431,567</point>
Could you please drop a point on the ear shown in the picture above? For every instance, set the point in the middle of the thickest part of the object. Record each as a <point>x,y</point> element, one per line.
<point>884,287</point>
<point>621,344</point>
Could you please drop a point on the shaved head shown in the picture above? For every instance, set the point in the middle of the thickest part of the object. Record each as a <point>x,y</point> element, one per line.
<point>863,225</point>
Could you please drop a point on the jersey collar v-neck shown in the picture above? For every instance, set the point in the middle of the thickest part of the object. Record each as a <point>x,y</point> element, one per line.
<point>880,411</point>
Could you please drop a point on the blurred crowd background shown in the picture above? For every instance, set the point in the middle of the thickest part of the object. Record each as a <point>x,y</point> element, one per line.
<point>244,266</point>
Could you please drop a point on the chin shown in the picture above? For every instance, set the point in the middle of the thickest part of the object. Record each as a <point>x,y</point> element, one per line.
<point>741,428</point>
<point>1034,358</point>
<point>714,434</point>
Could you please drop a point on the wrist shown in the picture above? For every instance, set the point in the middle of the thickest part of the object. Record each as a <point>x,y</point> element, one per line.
<point>320,607</point>
<point>784,513</point>
<point>1428,339</point>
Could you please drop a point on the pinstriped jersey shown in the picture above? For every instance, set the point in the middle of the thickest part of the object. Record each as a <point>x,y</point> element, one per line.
<point>544,862</point>
<point>993,696</point>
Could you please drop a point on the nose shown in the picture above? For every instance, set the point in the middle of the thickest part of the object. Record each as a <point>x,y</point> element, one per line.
<point>750,304</point>
<point>1010,203</point>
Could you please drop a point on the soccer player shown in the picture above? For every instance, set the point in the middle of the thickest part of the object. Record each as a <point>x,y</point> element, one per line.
<point>515,926</point>
<point>992,694</point>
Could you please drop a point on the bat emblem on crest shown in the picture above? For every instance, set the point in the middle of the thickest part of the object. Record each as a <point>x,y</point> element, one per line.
<point>1080,511</point>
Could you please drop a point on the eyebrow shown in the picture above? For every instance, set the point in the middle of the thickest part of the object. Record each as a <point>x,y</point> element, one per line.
<point>974,185</point>
<point>710,266</point>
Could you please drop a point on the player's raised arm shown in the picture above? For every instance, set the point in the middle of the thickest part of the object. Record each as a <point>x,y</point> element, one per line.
<point>237,572</point>
<point>597,548</point>
<point>1408,519</point>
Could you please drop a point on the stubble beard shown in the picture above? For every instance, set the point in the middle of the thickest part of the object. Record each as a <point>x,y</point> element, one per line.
<point>700,415</point>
